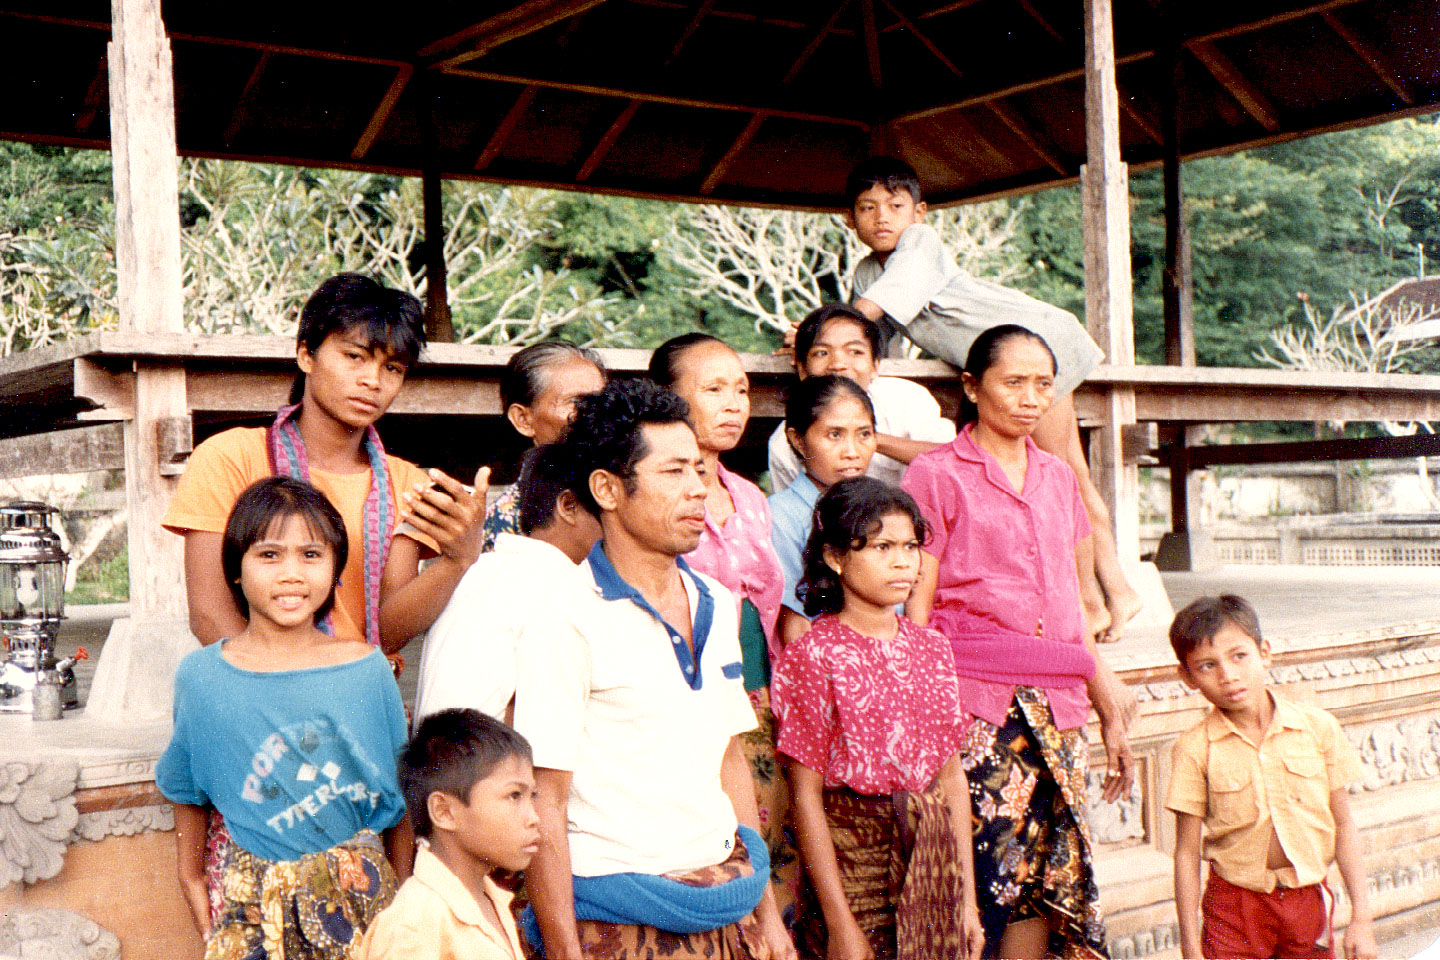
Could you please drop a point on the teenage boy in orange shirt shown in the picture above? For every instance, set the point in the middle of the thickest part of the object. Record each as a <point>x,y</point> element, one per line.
<point>1267,779</point>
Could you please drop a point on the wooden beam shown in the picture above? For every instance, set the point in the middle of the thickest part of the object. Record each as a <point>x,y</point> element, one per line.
<point>1108,305</point>
<point>828,28</point>
<point>517,21</point>
<point>1137,116</point>
<point>241,116</point>
<point>95,97</point>
<point>607,141</point>
<point>1043,23</point>
<point>947,8</point>
<point>1175,283</point>
<point>1372,59</point>
<point>382,112</point>
<point>438,328</point>
<point>1223,69</point>
<point>717,172</point>
<point>902,21</point>
<point>701,12</point>
<point>1026,134</point>
<point>872,43</point>
<point>506,127</point>
<point>649,96</point>
<point>147,267</point>
<point>1313,451</point>
<point>81,450</point>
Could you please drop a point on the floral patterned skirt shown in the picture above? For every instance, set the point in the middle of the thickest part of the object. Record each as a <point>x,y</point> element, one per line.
<point>631,941</point>
<point>314,908</point>
<point>900,873</point>
<point>772,799</point>
<point>1032,843</point>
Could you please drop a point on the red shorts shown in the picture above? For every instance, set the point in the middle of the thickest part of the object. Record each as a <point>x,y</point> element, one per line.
<point>1282,923</point>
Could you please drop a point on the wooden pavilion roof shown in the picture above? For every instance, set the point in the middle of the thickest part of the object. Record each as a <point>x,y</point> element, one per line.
<point>749,101</point>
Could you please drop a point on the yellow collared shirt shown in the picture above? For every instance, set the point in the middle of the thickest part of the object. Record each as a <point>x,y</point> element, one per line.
<point>434,917</point>
<point>1243,791</point>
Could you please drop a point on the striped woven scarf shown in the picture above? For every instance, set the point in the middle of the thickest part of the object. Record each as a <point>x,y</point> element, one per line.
<point>287,458</point>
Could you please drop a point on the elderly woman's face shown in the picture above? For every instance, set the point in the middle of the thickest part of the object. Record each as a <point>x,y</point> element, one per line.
<point>554,408</point>
<point>713,382</point>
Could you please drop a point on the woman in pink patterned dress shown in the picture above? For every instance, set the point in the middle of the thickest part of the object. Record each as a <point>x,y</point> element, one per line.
<point>736,550</point>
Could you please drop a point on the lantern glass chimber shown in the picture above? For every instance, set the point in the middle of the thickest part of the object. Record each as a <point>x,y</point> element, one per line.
<point>32,600</point>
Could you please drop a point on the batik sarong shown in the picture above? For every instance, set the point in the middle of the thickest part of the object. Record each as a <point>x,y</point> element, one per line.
<point>900,870</point>
<point>772,803</point>
<point>314,908</point>
<point>1032,842</point>
<point>629,941</point>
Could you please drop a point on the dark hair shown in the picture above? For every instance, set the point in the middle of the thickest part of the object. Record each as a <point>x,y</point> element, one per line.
<point>606,435</point>
<point>665,361</point>
<point>452,751</point>
<point>526,374</point>
<point>545,473</point>
<point>815,321</point>
<point>255,512</point>
<point>388,318</point>
<point>892,174</point>
<point>1202,619</point>
<point>808,398</point>
<point>985,351</point>
<point>845,518</point>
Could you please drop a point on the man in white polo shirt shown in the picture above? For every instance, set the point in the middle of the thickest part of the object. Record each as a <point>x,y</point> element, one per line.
<point>647,810</point>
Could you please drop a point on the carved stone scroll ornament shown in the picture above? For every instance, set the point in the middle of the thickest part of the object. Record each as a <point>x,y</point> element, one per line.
<point>57,934</point>
<point>37,814</point>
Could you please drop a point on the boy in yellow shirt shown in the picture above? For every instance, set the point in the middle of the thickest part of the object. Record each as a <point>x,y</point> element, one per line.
<point>470,792</point>
<point>1267,779</point>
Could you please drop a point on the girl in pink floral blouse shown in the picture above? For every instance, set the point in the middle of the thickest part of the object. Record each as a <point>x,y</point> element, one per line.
<point>871,726</point>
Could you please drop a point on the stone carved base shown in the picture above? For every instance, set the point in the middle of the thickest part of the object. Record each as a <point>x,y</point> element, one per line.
<point>55,935</point>
<point>37,815</point>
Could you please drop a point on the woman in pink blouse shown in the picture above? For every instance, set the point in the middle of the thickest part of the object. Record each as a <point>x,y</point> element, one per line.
<point>736,550</point>
<point>999,580</point>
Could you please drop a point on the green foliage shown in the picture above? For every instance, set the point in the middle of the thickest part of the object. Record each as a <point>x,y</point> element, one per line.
<point>103,581</point>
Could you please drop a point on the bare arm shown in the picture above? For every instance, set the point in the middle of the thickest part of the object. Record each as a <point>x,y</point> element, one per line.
<point>549,879</point>
<point>902,448</point>
<point>1187,883</point>
<point>740,788</point>
<point>400,848</point>
<point>1359,936</point>
<point>1116,706</point>
<point>870,308</point>
<point>213,614</point>
<point>792,626</point>
<point>817,851</point>
<point>957,797</point>
<point>922,597</point>
<point>190,825</point>
<point>411,598</point>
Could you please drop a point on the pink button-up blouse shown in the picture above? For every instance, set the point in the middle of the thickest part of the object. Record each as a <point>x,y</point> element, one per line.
<point>738,553</point>
<point>1007,559</point>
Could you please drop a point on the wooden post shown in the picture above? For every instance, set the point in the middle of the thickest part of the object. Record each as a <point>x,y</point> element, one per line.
<point>438,328</point>
<point>133,679</point>
<point>1108,305</point>
<point>1175,283</point>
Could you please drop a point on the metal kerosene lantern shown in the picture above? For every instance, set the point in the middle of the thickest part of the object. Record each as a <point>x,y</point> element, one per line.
<point>32,598</point>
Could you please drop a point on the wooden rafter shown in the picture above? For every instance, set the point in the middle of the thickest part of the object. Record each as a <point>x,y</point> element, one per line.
<point>607,141</point>
<point>505,127</point>
<point>96,96</point>
<point>947,8</point>
<point>1223,69</point>
<point>382,112</point>
<point>1138,117</point>
<point>1027,134</point>
<point>649,96</point>
<point>518,21</point>
<point>752,126</point>
<point>701,12</point>
<point>1372,59</point>
<point>240,118</point>
<point>872,43</point>
<point>904,22</point>
<point>717,172</point>
<point>1041,20</point>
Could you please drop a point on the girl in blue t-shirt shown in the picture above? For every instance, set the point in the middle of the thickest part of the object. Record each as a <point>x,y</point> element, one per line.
<point>292,735</point>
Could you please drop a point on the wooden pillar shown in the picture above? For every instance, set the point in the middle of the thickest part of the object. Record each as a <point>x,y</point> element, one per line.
<point>438,327</point>
<point>1109,311</point>
<point>147,259</point>
<point>134,677</point>
<point>1176,290</point>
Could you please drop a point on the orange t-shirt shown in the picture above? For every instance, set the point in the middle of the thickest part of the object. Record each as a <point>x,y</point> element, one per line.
<point>222,467</point>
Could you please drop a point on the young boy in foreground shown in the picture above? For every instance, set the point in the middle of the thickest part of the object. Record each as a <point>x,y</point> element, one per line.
<point>1267,778</point>
<point>910,285</point>
<point>470,792</point>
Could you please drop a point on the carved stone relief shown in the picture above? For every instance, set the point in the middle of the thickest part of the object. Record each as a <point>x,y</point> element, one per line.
<point>1119,821</point>
<point>1396,751</point>
<point>37,815</point>
<point>57,934</point>
<point>125,822</point>
<point>1146,942</point>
